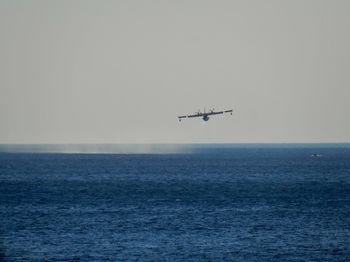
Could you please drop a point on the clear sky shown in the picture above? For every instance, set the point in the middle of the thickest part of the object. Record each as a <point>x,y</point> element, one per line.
<point>122,71</point>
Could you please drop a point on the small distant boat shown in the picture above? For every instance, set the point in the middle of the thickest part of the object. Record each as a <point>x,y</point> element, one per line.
<point>316,155</point>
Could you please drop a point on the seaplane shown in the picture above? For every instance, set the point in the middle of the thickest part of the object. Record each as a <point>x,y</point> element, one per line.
<point>205,115</point>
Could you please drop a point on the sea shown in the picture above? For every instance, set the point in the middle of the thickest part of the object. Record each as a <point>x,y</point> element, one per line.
<point>217,202</point>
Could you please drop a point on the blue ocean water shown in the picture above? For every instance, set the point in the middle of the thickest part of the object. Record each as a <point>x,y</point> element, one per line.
<point>217,203</point>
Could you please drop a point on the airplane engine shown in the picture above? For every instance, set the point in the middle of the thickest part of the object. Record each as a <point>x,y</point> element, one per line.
<point>205,118</point>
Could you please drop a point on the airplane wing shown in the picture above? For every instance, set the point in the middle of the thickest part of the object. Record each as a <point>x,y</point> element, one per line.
<point>214,113</point>
<point>196,115</point>
<point>190,116</point>
<point>218,112</point>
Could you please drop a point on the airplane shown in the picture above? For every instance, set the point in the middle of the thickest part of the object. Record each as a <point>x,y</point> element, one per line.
<point>205,115</point>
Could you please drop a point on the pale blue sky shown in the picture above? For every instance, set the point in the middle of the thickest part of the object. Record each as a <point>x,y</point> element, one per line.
<point>121,71</point>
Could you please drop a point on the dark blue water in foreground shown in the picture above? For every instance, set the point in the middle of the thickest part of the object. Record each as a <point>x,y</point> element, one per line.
<point>216,204</point>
